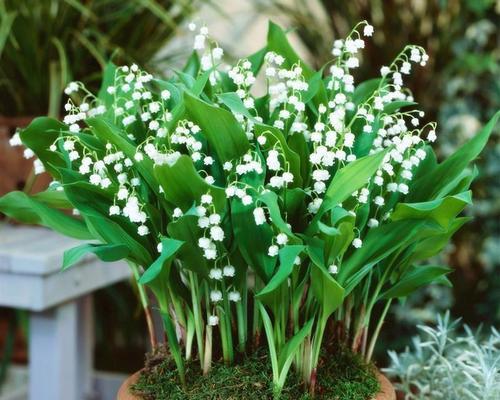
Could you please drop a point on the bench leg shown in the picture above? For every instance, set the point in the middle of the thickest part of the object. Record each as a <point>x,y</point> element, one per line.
<point>60,352</point>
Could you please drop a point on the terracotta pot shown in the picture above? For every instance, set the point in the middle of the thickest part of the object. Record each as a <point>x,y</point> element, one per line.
<point>387,391</point>
<point>15,169</point>
<point>124,392</point>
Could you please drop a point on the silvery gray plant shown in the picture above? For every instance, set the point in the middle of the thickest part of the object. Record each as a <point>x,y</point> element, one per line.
<point>445,365</point>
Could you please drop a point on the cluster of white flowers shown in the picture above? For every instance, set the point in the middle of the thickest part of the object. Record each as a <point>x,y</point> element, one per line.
<point>209,221</point>
<point>280,240</point>
<point>285,90</point>
<point>242,76</point>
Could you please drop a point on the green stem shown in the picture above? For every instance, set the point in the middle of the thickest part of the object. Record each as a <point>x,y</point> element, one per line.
<point>240,317</point>
<point>226,334</point>
<point>145,305</point>
<point>198,319</point>
<point>207,359</point>
<point>376,333</point>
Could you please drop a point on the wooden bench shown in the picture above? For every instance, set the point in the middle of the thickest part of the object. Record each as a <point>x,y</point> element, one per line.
<point>61,332</point>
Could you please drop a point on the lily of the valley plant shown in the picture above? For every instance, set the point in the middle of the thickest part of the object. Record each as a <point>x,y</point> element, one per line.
<point>258,198</point>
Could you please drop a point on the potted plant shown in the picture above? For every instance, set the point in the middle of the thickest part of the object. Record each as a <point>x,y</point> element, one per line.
<point>292,218</point>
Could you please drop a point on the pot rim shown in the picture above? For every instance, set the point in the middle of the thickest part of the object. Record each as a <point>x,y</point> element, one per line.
<point>387,391</point>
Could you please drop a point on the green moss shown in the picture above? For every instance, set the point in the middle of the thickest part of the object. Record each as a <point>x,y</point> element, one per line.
<point>341,376</point>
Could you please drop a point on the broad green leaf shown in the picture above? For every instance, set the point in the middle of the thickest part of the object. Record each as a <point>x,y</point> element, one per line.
<point>328,230</point>
<point>346,181</point>
<point>275,138</point>
<point>298,144</point>
<point>315,250</point>
<point>441,210</point>
<point>379,243</point>
<point>170,247</point>
<point>186,229</point>
<point>396,105</point>
<point>277,42</point>
<point>26,209</point>
<point>429,185</point>
<point>257,60</point>
<point>108,132</point>
<point>288,351</point>
<point>432,245</point>
<point>183,186</point>
<point>111,232</point>
<point>117,229</point>
<point>327,291</point>
<point>105,252</point>
<point>287,257</point>
<point>192,66</point>
<point>53,199</point>
<point>364,90</point>
<point>253,240</point>
<point>235,104</point>
<point>39,136</point>
<point>270,199</point>
<point>316,89</point>
<point>221,129</point>
<point>108,79</point>
<point>340,242</point>
<point>419,276</point>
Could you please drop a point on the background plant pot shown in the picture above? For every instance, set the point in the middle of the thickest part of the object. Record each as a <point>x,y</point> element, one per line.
<point>387,391</point>
<point>14,167</point>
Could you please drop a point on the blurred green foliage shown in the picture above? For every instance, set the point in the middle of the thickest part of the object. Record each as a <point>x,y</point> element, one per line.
<point>45,44</point>
<point>459,88</point>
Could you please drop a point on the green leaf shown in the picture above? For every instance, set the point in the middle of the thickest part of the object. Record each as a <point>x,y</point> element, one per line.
<point>273,354</point>
<point>288,351</point>
<point>275,138</point>
<point>396,105</point>
<point>108,132</point>
<point>183,186</point>
<point>270,199</point>
<point>287,257</point>
<point>327,291</point>
<point>174,347</point>
<point>346,181</point>
<point>340,242</point>
<point>364,90</point>
<point>39,136</point>
<point>316,89</point>
<point>235,104</point>
<point>419,276</point>
<point>170,247</point>
<point>26,209</point>
<point>53,199</point>
<point>221,129</point>
<point>192,66</point>
<point>443,211</point>
<point>109,231</point>
<point>378,244</point>
<point>105,252</point>
<point>432,245</point>
<point>186,229</point>
<point>430,185</point>
<point>246,232</point>
<point>257,60</point>
<point>277,42</point>
<point>108,79</point>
